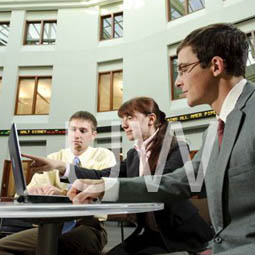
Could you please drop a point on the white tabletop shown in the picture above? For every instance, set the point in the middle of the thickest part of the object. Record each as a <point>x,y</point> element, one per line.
<point>27,210</point>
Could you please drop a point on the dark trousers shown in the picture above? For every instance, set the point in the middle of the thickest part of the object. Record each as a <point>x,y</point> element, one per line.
<point>82,240</point>
<point>149,242</point>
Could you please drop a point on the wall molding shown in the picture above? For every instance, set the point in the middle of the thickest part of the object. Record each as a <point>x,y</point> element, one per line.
<point>10,5</point>
<point>105,129</point>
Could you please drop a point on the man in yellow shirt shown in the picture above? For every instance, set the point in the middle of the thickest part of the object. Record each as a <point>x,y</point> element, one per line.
<point>87,236</point>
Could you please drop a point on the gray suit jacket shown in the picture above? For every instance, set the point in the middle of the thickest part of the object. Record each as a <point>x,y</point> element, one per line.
<point>179,224</point>
<point>229,182</point>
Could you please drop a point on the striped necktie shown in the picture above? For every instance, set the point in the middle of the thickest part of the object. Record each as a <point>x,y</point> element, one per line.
<point>76,161</point>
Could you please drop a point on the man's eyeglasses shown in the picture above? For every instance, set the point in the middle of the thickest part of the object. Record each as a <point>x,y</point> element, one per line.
<point>183,70</point>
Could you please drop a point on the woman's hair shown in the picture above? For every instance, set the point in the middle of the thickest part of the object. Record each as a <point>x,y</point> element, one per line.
<point>146,106</point>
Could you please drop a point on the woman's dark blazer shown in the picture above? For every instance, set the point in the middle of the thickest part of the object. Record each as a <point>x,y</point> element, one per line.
<point>180,226</point>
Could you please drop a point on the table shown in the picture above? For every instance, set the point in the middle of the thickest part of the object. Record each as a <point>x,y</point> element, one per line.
<point>48,216</point>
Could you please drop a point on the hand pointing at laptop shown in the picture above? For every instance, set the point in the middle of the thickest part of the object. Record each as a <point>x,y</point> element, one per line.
<point>41,164</point>
<point>82,191</point>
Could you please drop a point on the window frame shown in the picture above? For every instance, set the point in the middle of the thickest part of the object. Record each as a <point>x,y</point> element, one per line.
<point>42,25</point>
<point>186,3</point>
<point>252,35</point>
<point>111,89</point>
<point>5,23</point>
<point>172,81</point>
<point>112,16</point>
<point>36,78</point>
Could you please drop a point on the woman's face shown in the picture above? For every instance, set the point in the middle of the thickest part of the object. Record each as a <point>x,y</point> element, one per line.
<point>138,126</point>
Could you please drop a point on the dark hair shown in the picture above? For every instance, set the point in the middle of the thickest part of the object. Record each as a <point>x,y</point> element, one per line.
<point>85,116</point>
<point>223,40</point>
<point>146,106</point>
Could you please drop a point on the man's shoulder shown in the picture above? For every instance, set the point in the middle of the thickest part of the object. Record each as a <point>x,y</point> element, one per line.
<point>247,96</point>
<point>102,157</point>
<point>100,150</point>
<point>59,155</point>
<point>250,101</point>
<point>131,153</point>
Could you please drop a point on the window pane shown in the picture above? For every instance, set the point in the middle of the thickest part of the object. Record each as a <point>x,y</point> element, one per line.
<point>250,65</point>
<point>117,90</point>
<point>118,25</point>
<point>4,32</point>
<point>49,33</point>
<point>195,5</point>
<point>106,28</point>
<point>25,97</point>
<point>177,92</point>
<point>43,96</point>
<point>33,33</point>
<point>177,8</point>
<point>104,92</point>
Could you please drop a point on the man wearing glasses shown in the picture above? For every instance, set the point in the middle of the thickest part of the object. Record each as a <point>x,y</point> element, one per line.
<point>211,65</point>
<point>211,70</point>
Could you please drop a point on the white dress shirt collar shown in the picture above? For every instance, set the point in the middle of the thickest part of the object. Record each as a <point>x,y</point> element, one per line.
<point>231,99</point>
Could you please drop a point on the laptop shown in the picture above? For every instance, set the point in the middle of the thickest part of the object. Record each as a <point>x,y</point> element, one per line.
<point>20,183</point>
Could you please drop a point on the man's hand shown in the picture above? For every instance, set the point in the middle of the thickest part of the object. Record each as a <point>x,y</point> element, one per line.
<point>35,190</point>
<point>41,164</point>
<point>86,191</point>
<point>45,190</point>
<point>51,190</point>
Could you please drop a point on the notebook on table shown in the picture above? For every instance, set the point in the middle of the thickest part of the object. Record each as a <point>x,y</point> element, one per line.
<point>18,174</point>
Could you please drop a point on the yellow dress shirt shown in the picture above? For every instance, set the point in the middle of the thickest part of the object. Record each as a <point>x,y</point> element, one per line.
<point>92,158</point>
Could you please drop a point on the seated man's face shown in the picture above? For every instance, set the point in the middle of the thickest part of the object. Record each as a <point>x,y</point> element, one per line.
<point>80,134</point>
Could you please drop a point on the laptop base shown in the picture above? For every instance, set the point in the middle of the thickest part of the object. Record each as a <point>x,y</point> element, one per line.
<point>43,199</point>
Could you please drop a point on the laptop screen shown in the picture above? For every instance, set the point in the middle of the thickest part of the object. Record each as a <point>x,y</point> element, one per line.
<point>15,156</point>
<point>20,183</point>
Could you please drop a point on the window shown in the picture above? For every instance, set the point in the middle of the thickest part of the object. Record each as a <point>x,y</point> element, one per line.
<point>179,8</point>
<point>33,97</point>
<point>111,26</point>
<point>4,32</point>
<point>176,93</point>
<point>110,91</point>
<point>40,32</point>
<point>250,66</point>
